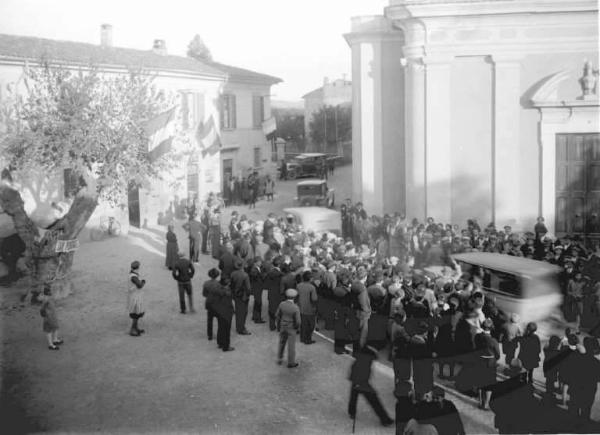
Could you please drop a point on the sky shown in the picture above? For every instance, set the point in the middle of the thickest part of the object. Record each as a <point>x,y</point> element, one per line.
<point>299,41</point>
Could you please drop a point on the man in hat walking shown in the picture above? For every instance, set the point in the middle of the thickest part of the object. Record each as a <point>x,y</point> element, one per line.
<point>288,322</point>
<point>360,374</point>
<point>183,272</point>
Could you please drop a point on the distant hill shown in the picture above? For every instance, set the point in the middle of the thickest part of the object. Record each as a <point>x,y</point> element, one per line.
<point>281,104</point>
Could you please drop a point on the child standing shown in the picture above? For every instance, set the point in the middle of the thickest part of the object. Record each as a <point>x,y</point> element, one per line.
<point>50,324</point>
<point>134,298</point>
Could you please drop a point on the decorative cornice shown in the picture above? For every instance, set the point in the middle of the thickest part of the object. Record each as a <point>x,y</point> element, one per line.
<point>403,9</point>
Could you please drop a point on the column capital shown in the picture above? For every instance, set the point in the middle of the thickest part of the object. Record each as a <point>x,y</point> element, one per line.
<point>372,28</point>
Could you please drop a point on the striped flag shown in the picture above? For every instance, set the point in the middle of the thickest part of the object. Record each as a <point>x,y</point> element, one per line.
<point>161,131</point>
<point>208,137</point>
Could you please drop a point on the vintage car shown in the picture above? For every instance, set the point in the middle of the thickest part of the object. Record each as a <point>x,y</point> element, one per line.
<point>315,192</point>
<point>317,219</point>
<point>305,165</point>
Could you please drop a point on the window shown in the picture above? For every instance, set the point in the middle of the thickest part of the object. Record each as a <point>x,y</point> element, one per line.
<point>503,282</point>
<point>228,118</point>
<point>256,157</point>
<point>258,111</point>
<point>192,109</point>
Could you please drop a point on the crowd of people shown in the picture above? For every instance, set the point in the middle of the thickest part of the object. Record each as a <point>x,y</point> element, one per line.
<point>373,287</point>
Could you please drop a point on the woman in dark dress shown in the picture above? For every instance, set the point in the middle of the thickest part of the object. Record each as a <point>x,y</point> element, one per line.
<point>444,341</point>
<point>172,248</point>
<point>529,350</point>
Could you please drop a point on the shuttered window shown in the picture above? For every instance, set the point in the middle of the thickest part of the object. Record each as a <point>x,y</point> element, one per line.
<point>258,111</point>
<point>228,115</point>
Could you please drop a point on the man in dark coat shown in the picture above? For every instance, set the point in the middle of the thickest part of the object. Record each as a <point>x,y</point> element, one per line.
<point>240,288</point>
<point>211,288</point>
<point>227,261</point>
<point>257,275</point>
<point>360,375</point>
<point>273,286</point>
<point>223,306</point>
<point>183,272</point>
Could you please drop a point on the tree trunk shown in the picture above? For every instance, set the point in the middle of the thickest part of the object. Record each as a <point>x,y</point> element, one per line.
<point>47,267</point>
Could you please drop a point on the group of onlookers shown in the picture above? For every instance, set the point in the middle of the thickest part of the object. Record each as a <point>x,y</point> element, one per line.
<point>247,190</point>
<point>387,302</point>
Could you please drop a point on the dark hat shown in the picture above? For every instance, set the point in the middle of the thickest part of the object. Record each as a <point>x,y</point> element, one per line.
<point>135,264</point>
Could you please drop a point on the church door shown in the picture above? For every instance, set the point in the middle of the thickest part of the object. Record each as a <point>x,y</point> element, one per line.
<point>578,185</point>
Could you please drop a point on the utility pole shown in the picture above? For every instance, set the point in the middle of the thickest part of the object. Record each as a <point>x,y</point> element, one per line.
<point>324,127</point>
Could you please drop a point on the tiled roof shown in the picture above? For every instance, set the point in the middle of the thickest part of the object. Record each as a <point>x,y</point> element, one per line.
<point>32,48</point>
<point>314,93</point>
<point>239,74</point>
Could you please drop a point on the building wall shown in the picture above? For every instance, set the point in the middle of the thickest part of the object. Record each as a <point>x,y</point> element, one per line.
<point>533,69</point>
<point>471,138</point>
<point>332,93</point>
<point>239,144</point>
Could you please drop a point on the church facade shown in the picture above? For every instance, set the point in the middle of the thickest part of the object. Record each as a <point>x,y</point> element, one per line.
<point>482,109</point>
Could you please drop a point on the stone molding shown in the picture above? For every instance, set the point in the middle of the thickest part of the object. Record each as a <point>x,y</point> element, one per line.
<point>400,9</point>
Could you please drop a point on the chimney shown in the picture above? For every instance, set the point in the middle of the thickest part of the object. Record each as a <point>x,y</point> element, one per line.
<point>106,35</point>
<point>160,47</point>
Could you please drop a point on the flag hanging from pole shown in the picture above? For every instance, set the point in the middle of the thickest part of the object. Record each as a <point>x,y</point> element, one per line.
<point>161,132</point>
<point>208,137</point>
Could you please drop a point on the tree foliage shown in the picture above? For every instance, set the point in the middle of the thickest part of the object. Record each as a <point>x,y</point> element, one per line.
<point>198,50</point>
<point>330,125</point>
<point>86,121</point>
<point>90,122</point>
<point>290,123</point>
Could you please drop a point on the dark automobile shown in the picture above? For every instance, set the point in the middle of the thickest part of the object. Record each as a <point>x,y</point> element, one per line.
<point>315,192</point>
<point>306,165</point>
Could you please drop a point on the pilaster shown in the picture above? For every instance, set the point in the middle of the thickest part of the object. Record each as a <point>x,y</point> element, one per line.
<point>438,171</point>
<point>506,143</point>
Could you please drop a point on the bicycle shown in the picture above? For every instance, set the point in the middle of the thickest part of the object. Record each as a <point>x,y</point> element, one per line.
<point>109,227</point>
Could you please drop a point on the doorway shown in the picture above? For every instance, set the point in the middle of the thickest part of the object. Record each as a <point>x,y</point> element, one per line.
<point>227,173</point>
<point>578,185</point>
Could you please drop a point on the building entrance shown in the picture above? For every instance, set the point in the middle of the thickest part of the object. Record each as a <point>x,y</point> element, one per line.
<point>578,185</point>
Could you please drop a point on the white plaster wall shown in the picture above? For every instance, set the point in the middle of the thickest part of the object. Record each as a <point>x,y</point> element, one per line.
<point>471,139</point>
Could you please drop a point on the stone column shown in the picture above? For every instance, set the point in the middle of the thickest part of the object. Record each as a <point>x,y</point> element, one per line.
<point>415,139</point>
<point>438,170</point>
<point>377,104</point>
<point>506,134</point>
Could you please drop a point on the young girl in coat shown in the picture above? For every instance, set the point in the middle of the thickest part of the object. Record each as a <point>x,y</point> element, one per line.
<point>50,323</point>
<point>135,298</point>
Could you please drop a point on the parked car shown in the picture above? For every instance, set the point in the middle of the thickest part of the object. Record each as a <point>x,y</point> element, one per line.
<point>305,165</point>
<point>315,192</point>
<point>317,219</point>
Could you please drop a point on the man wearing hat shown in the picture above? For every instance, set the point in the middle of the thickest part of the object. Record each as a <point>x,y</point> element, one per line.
<point>287,319</point>
<point>360,375</point>
<point>227,260</point>
<point>441,413</point>
<point>183,272</point>
<point>241,290</point>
